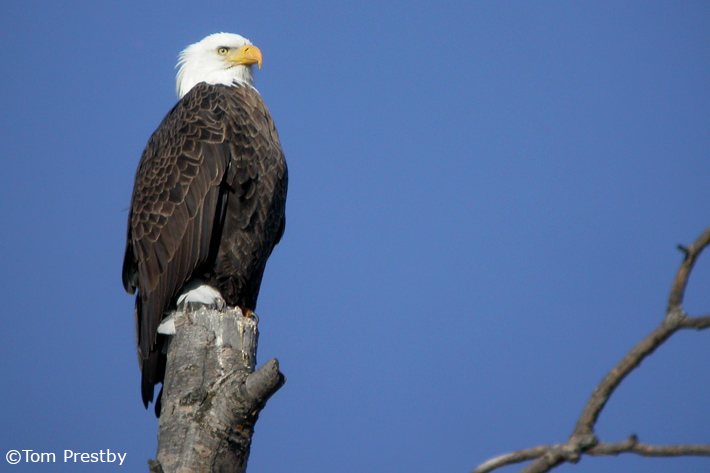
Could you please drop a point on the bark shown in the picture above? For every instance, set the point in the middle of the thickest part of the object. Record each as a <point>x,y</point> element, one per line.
<point>211,395</point>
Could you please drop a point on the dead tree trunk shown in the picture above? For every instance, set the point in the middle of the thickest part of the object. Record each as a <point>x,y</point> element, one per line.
<point>212,396</point>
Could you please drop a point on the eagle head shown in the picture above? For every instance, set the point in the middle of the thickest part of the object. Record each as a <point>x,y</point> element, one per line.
<point>221,58</point>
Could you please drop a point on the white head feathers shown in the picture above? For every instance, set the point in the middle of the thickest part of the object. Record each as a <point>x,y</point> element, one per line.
<point>221,58</point>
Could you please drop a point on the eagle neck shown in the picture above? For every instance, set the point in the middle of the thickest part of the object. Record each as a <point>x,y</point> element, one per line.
<point>243,83</point>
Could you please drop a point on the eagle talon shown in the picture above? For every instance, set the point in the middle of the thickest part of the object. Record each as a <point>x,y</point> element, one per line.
<point>220,305</point>
<point>250,314</point>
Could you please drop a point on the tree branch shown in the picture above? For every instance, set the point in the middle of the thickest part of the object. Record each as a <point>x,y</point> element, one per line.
<point>512,458</point>
<point>583,440</point>
<point>632,445</point>
<point>675,300</point>
<point>211,395</point>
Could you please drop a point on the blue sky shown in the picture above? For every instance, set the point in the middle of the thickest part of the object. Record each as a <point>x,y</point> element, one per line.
<point>484,203</point>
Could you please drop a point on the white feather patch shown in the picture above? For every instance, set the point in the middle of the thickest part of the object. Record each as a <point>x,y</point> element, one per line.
<point>167,326</point>
<point>198,292</point>
<point>195,292</point>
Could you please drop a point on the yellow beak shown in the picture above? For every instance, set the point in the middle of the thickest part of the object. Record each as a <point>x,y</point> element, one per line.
<point>247,55</point>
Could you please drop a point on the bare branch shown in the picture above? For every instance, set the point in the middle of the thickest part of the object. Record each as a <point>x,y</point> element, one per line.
<point>632,445</point>
<point>602,393</point>
<point>553,455</point>
<point>675,319</point>
<point>512,458</point>
<point>675,300</point>
<point>699,323</point>
<point>583,440</point>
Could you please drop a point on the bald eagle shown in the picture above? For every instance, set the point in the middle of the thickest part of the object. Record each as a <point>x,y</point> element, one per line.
<point>209,197</point>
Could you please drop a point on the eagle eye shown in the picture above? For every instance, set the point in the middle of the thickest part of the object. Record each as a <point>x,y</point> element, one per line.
<point>222,50</point>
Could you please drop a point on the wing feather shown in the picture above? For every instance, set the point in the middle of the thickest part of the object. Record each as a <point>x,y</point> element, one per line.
<point>173,207</point>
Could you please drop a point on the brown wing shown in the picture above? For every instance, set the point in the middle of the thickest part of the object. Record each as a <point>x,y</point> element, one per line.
<point>254,214</point>
<point>175,208</point>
